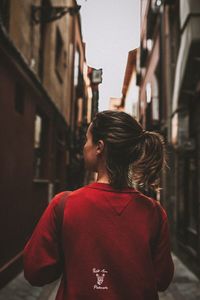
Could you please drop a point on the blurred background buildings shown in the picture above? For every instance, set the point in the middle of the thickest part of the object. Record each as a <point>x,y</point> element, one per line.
<point>48,97</point>
<point>166,69</point>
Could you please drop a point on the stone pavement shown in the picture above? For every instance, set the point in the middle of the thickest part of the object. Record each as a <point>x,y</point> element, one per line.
<point>20,289</point>
<point>185,286</point>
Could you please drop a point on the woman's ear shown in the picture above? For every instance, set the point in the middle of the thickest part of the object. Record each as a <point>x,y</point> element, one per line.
<point>100,146</point>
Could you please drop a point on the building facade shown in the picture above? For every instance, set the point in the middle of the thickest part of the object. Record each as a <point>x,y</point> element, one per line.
<point>168,78</point>
<point>44,103</point>
<point>185,134</point>
<point>129,99</point>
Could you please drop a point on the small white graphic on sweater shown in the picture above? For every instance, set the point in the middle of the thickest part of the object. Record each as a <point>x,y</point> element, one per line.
<point>100,276</point>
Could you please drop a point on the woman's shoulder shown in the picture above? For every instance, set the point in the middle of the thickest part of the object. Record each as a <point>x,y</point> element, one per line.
<point>69,195</point>
<point>153,204</point>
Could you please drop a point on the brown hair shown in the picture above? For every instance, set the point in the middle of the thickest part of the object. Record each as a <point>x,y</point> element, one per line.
<point>133,155</point>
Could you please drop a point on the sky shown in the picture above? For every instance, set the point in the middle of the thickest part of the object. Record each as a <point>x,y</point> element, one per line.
<point>110,30</point>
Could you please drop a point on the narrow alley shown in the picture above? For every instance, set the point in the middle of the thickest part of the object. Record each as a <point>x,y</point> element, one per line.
<point>50,93</point>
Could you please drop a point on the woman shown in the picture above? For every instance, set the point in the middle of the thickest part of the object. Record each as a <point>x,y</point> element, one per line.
<point>115,241</point>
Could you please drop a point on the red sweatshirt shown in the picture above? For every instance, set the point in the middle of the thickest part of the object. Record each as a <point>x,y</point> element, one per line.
<point>114,246</point>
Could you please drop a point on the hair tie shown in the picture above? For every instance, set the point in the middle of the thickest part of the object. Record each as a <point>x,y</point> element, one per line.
<point>142,134</point>
<point>145,132</point>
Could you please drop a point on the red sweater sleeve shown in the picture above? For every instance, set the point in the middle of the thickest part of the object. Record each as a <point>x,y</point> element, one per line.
<point>42,255</point>
<point>162,259</point>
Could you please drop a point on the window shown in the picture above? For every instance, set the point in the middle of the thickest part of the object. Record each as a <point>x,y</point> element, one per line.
<point>19,98</point>
<point>80,111</point>
<point>76,67</point>
<point>37,145</point>
<point>60,56</point>
<point>40,147</point>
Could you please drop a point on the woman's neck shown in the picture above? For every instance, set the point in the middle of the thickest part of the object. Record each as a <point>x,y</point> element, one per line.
<point>102,177</point>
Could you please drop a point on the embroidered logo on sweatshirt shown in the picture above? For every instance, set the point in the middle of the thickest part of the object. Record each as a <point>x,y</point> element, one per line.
<point>100,276</point>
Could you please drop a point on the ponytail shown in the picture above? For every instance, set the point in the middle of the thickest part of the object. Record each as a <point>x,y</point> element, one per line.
<point>146,169</point>
<point>132,155</point>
